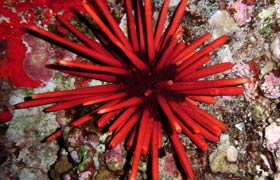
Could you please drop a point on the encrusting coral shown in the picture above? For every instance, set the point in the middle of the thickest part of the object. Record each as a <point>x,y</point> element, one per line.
<point>154,81</point>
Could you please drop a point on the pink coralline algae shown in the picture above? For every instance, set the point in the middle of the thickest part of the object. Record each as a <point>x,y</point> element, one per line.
<point>169,168</point>
<point>154,82</point>
<point>36,58</point>
<point>242,12</point>
<point>244,70</point>
<point>272,143</point>
<point>272,136</point>
<point>114,158</point>
<point>271,86</point>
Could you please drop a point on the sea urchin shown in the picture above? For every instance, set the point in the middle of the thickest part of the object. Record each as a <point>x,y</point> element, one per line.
<point>154,81</point>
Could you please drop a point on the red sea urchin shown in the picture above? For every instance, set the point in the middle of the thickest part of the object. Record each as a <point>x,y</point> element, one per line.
<point>154,81</point>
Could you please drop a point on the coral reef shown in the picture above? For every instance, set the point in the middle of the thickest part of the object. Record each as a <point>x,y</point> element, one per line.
<point>146,79</point>
<point>252,119</point>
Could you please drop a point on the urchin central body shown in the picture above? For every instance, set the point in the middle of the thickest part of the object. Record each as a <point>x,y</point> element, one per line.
<point>148,83</point>
<point>143,96</point>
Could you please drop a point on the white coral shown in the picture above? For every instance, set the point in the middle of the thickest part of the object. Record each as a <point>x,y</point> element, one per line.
<point>222,23</point>
<point>275,48</point>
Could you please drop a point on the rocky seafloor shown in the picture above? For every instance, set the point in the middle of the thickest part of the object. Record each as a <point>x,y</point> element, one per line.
<point>249,149</point>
